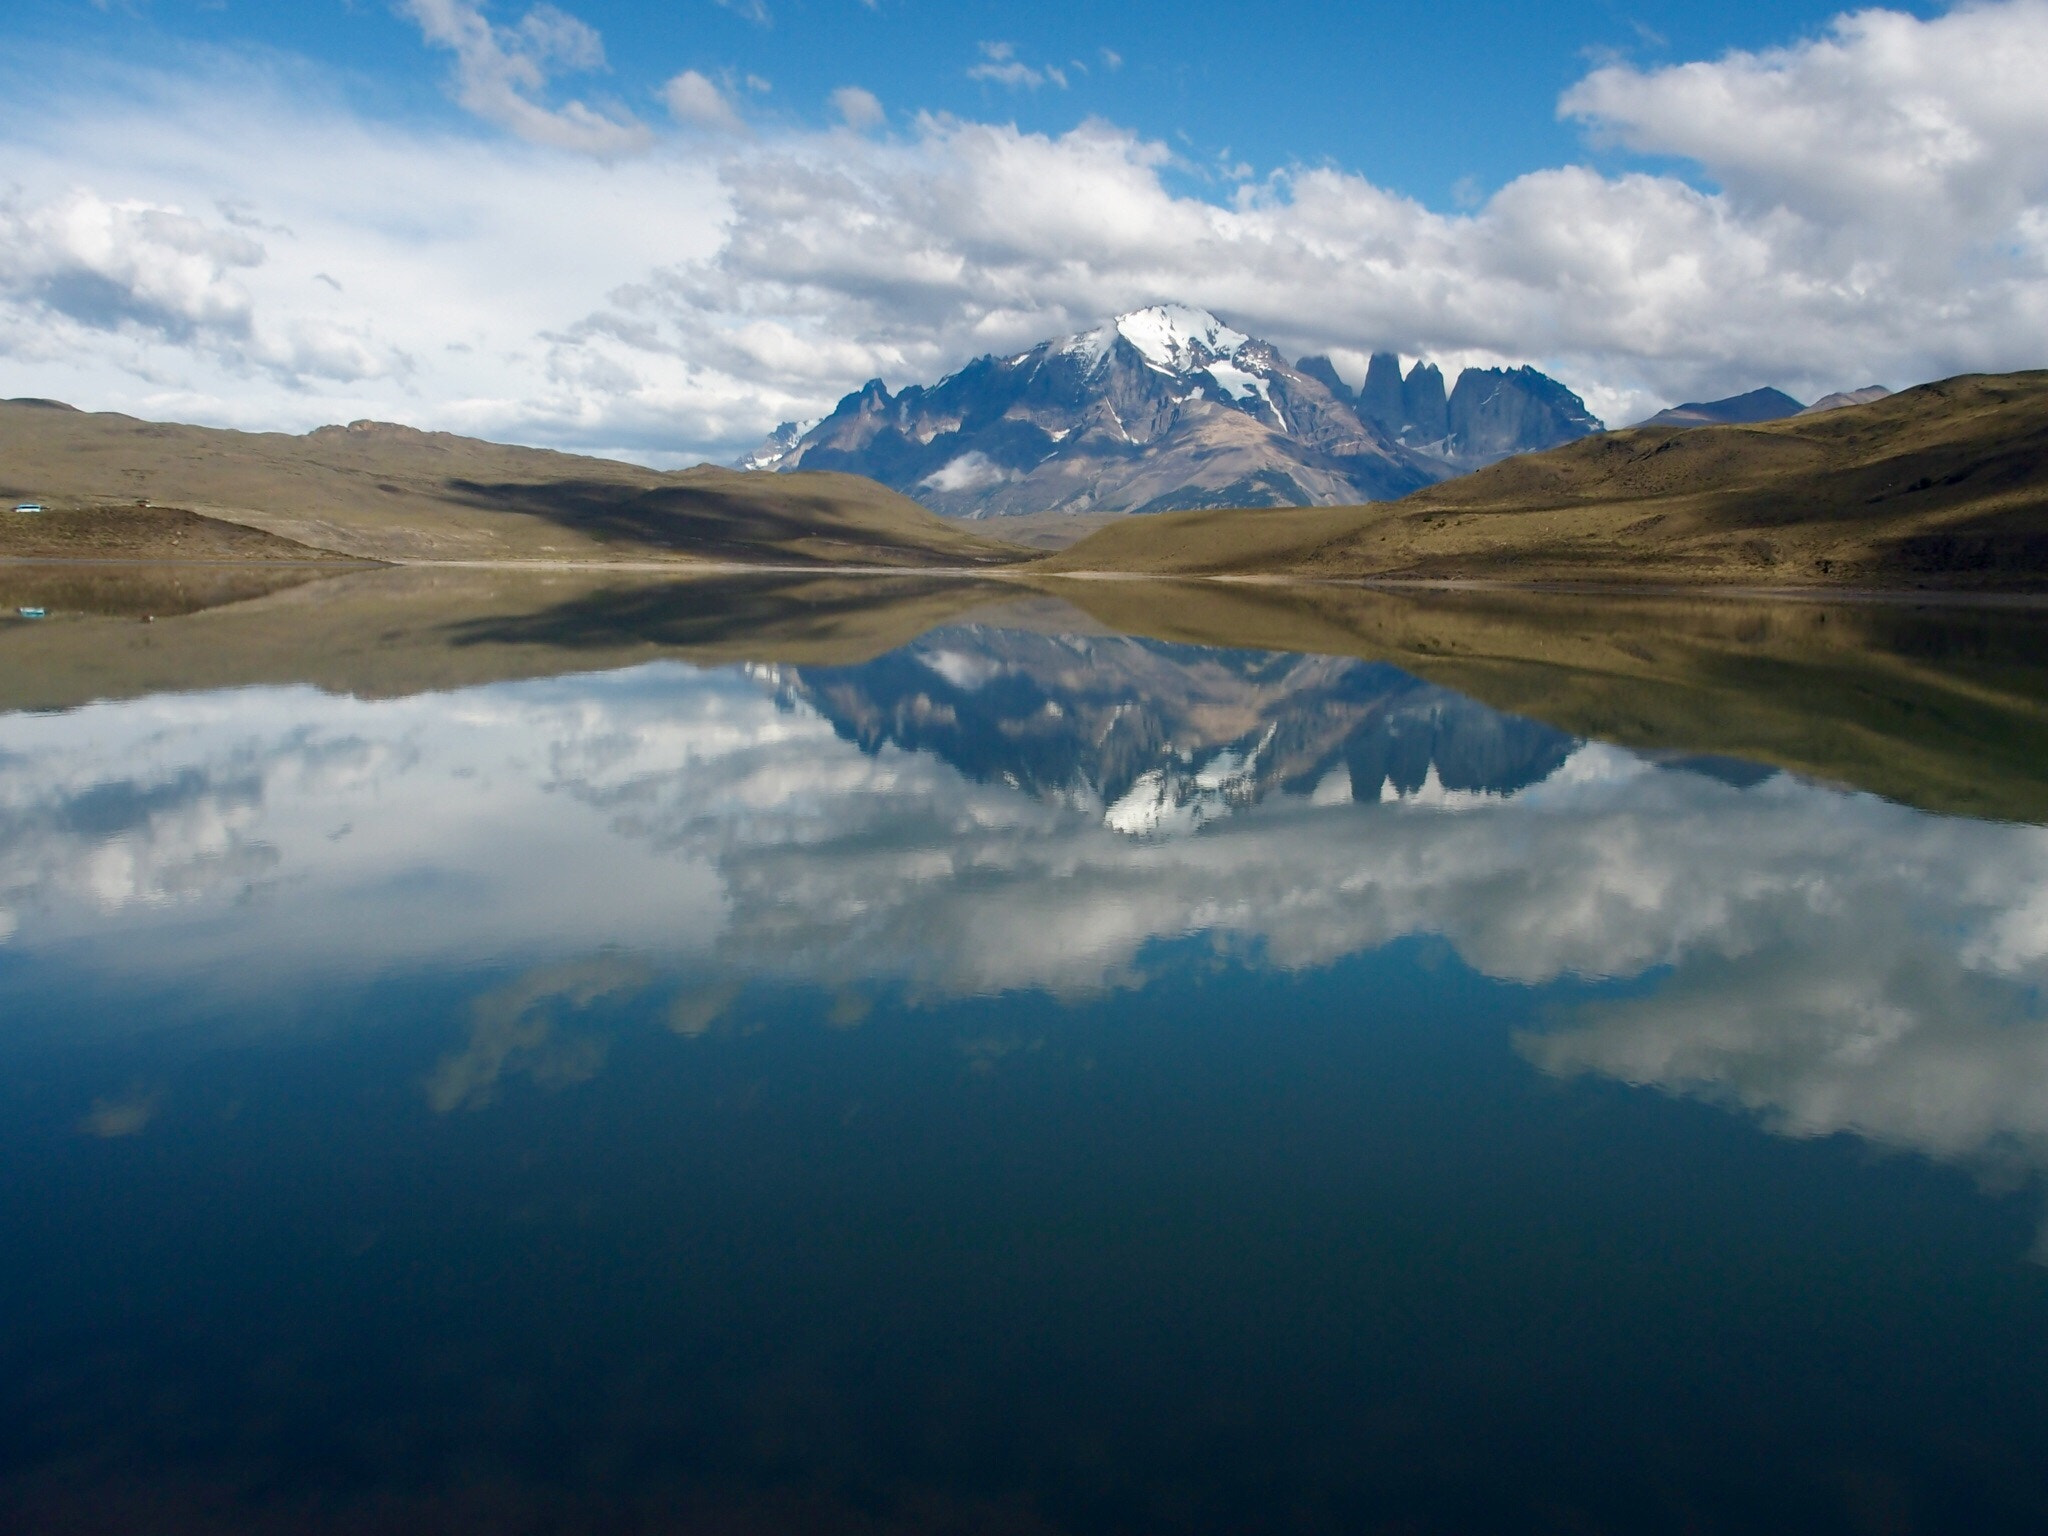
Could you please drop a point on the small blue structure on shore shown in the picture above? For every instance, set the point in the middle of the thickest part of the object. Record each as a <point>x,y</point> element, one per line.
<point>32,613</point>
<point>28,506</point>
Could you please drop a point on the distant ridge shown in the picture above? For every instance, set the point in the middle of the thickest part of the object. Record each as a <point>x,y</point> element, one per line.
<point>1759,405</point>
<point>380,491</point>
<point>1868,394</point>
<point>1736,410</point>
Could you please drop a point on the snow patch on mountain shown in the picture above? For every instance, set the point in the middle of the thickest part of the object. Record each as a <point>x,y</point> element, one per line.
<point>779,444</point>
<point>1179,338</point>
<point>1245,386</point>
<point>1090,346</point>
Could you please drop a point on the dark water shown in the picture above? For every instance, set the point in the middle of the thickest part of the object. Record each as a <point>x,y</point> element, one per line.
<point>1024,1083</point>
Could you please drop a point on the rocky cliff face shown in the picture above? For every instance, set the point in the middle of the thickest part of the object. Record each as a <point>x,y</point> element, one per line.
<point>1495,412</point>
<point>1168,408</point>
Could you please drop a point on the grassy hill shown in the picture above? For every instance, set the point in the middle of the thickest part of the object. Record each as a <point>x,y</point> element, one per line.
<point>383,492</point>
<point>1944,485</point>
<point>1941,486</point>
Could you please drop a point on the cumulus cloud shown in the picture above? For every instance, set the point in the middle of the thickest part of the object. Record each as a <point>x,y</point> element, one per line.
<point>79,265</point>
<point>500,72</point>
<point>108,265</point>
<point>1935,126</point>
<point>859,109</point>
<point>1870,204</point>
<point>694,99</point>
<point>968,472</point>
<point>449,262</point>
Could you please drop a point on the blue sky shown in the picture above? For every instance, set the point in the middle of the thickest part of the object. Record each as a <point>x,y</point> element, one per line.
<point>656,230</point>
<point>1436,101</point>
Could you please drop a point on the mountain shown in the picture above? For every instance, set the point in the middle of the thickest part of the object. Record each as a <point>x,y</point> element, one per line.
<point>1943,485</point>
<point>119,487</point>
<point>777,445</point>
<point>1835,402</point>
<point>1498,412</point>
<point>1757,405</point>
<point>1167,408</point>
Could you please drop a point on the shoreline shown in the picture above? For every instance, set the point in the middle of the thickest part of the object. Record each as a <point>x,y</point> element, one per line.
<point>1027,573</point>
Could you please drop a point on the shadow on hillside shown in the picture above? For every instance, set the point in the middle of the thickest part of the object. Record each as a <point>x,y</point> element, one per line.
<point>792,522</point>
<point>2004,550</point>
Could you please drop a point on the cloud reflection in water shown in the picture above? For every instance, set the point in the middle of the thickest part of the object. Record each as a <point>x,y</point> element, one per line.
<point>1825,961</point>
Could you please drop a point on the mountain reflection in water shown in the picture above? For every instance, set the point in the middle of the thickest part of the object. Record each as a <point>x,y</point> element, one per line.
<point>1299,968</point>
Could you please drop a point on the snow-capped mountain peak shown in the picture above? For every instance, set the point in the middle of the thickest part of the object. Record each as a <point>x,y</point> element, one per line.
<point>1178,337</point>
<point>1167,407</point>
<point>779,445</point>
<point>1175,339</point>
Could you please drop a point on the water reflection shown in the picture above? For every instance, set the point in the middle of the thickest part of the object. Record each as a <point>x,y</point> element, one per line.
<point>992,811</point>
<point>1108,868</point>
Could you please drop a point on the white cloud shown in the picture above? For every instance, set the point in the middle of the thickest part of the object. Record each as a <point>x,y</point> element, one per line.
<point>456,261</point>
<point>859,109</point>
<point>1937,126</point>
<point>968,472</point>
<point>107,265</point>
<point>755,11</point>
<point>696,100</point>
<point>1879,212</point>
<point>1000,66</point>
<point>499,72</point>
<point>80,265</point>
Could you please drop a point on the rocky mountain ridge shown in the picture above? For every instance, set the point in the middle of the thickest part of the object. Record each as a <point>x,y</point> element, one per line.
<point>1168,408</point>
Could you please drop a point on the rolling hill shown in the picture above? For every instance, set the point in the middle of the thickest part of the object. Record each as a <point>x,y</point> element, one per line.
<point>382,492</point>
<point>1944,485</point>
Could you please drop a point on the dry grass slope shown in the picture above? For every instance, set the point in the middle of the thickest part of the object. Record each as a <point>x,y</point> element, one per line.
<point>383,492</point>
<point>1941,486</point>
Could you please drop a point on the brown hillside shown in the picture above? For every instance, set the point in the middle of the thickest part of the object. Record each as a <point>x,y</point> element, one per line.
<point>378,491</point>
<point>1944,485</point>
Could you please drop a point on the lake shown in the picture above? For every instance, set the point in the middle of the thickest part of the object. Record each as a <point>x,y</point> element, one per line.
<point>751,1059</point>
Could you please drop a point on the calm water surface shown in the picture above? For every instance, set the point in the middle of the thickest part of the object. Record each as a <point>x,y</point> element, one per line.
<point>1024,1083</point>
